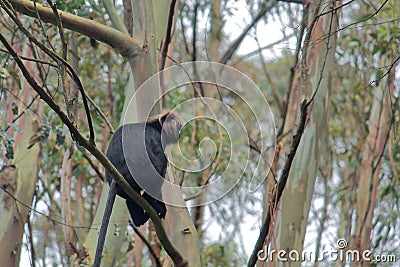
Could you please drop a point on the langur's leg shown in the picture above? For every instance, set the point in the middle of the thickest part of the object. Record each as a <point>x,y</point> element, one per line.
<point>137,213</point>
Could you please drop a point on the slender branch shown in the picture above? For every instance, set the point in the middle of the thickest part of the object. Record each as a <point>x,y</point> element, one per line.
<point>293,72</point>
<point>42,28</point>
<point>81,140</point>
<point>194,47</point>
<point>74,91</point>
<point>96,107</point>
<point>60,29</point>
<point>183,29</point>
<point>94,167</point>
<point>275,91</point>
<point>165,45</point>
<point>102,115</point>
<point>231,50</point>
<point>278,190</point>
<point>307,42</point>
<point>336,8</point>
<point>268,46</point>
<point>54,221</point>
<point>147,243</point>
<point>70,92</point>
<point>27,107</point>
<point>167,39</point>
<point>31,245</point>
<point>32,59</point>
<point>194,31</point>
<point>364,19</point>
<point>328,48</point>
<point>353,23</point>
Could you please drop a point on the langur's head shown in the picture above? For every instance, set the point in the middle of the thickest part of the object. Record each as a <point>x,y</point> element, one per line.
<point>171,125</point>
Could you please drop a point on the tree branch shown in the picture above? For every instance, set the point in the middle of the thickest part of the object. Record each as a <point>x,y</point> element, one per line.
<point>94,167</point>
<point>231,50</point>
<point>167,40</point>
<point>147,243</point>
<point>285,105</point>
<point>278,190</point>
<point>127,46</point>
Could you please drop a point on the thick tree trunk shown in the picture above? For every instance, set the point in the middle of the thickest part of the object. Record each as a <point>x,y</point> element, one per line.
<point>317,63</point>
<point>13,214</point>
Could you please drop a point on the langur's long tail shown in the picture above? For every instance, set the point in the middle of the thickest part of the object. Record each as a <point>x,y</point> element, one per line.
<point>104,223</point>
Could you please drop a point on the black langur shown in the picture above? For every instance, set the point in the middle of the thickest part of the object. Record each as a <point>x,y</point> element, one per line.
<point>137,152</point>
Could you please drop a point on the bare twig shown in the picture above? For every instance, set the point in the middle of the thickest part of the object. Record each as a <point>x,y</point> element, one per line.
<point>23,112</point>
<point>183,30</point>
<point>40,61</point>
<point>275,91</point>
<point>364,19</point>
<point>31,245</point>
<point>94,167</point>
<point>231,50</point>
<point>44,32</point>
<point>268,46</point>
<point>167,39</point>
<point>102,115</point>
<point>147,243</point>
<point>307,42</point>
<point>292,73</point>
<point>328,47</point>
<point>39,212</point>
<point>356,22</point>
<point>194,31</point>
<point>278,190</point>
<point>336,8</point>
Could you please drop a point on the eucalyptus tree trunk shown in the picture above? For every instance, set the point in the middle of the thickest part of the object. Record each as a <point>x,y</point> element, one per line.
<point>178,223</point>
<point>149,27</point>
<point>367,173</point>
<point>318,60</point>
<point>20,180</point>
<point>119,216</point>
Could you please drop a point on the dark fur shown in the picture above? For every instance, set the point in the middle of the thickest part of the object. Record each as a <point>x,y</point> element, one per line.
<point>158,132</point>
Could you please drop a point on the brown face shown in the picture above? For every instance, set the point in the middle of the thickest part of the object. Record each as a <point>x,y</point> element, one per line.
<point>171,128</point>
